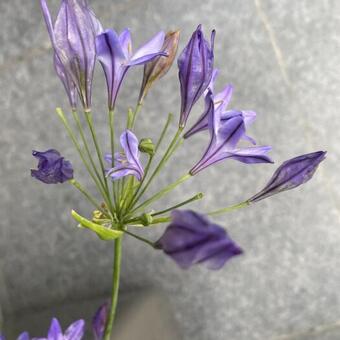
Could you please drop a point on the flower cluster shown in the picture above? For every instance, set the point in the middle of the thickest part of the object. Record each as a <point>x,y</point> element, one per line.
<point>78,41</point>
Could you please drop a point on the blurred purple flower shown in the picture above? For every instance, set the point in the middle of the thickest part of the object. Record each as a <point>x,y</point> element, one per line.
<point>99,321</point>
<point>127,162</point>
<point>192,239</point>
<point>52,167</point>
<point>291,174</point>
<point>22,336</point>
<point>73,40</point>
<point>195,71</point>
<point>74,332</point>
<point>224,137</point>
<point>115,55</point>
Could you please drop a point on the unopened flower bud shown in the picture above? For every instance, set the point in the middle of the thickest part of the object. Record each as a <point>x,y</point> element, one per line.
<point>158,67</point>
<point>146,146</point>
<point>146,219</point>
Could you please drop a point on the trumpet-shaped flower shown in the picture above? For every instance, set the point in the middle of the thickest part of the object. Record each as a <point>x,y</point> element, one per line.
<point>192,239</point>
<point>224,137</point>
<point>52,167</point>
<point>221,101</point>
<point>290,174</point>
<point>195,71</point>
<point>126,163</point>
<point>73,40</point>
<point>116,56</point>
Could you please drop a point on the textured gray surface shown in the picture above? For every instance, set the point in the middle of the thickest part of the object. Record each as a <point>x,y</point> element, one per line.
<point>283,59</point>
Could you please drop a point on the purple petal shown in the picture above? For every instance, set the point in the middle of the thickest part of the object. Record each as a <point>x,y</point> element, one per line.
<point>149,50</point>
<point>129,143</point>
<point>126,43</point>
<point>222,99</point>
<point>75,331</point>
<point>251,155</point>
<point>122,171</point>
<point>48,19</point>
<point>52,168</point>
<point>191,239</point>
<point>291,174</point>
<point>99,321</point>
<point>23,336</point>
<point>112,57</point>
<point>55,332</point>
<point>195,71</point>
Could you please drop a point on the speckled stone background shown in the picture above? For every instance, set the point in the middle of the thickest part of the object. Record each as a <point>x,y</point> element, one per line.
<point>283,58</point>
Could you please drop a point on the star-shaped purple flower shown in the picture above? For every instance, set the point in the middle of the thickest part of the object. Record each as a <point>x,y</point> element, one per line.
<point>224,137</point>
<point>116,57</point>
<point>52,167</point>
<point>126,163</point>
<point>192,239</point>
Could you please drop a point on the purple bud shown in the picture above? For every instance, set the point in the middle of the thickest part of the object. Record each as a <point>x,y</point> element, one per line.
<point>99,321</point>
<point>291,174</point>
<point>195,71</point>
<point>192,239</point>
<point>52,167</point>
<point>73,40</point>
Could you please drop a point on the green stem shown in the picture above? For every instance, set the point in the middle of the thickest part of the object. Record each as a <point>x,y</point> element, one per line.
<point>89,197</point>
<point>88,116</point>
<point>147,168</point>
<point>160,165</point>
<point>190,200</point>
<point>87,149</point>
<point>73,138</point>
<point>137,110</point>
<point>150,243</point>
<point>115,287</point>
<point>161,193</point>
<point>229,209</point>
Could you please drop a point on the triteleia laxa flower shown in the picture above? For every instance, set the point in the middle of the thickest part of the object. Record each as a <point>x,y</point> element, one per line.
<point>221,101</point>
<point>192,239</point>
<point>116,57</point>
<point>224,137</point>
<point>99,321</point>
<point>73,40</point>
<point>74,332</point>
<point>52,167</point>
<point>195,71</point>
<point>290,174</point>
<point>159,67</point>
<point>126,163</point>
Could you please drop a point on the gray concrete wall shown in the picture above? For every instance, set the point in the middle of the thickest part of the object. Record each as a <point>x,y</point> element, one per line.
<point>283,59</point>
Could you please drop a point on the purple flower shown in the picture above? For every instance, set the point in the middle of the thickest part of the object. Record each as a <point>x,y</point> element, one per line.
<point>73,40</point>
<point>74,332</point>
<point>195,71</point>
<point>127,163</point>
<point>221,101</point>
<point>116,57</point>
<point>52,167</point>
<point>224,137</point>
<point>22,336</point>
<point>291,174</point>
<point>191,239</point>
<point>99,321</point>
